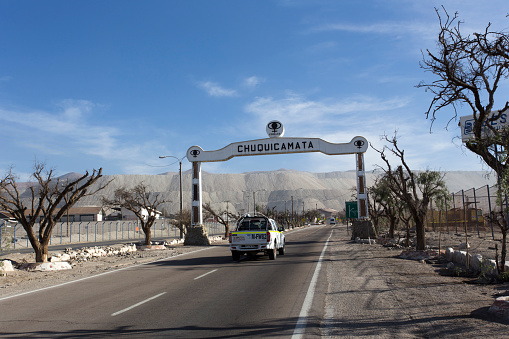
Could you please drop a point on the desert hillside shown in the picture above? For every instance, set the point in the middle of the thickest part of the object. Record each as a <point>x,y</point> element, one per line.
<point>273,188</point>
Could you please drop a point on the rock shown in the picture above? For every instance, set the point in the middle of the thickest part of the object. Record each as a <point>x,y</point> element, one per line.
<point>151,247</point>
<point>476,263</point>
<point>500,307</point>
<point>460,258</point>
<point>60,257</point>
<point>489,266</point>
<point>6,266</point>
<point>46,266</point>
<point>362,229</point>
<point>464,246</point>
<point>449,252</point>
<point>197,236</point>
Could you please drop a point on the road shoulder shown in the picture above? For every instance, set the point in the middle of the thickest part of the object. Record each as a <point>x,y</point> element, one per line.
<point>373,293</point>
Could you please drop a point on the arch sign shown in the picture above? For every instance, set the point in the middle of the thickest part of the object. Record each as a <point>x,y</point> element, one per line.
<point>276,144</point>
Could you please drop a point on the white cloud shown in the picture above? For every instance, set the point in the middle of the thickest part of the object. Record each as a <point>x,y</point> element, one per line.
<point>215,90</point>
<point>252,82</point>
<point>392,28</point>
<point>297,110</point>
<point>63,132</point>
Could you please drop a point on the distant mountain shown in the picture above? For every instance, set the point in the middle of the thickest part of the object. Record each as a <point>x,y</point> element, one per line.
<point>70,176</point>
<point>273,189</point>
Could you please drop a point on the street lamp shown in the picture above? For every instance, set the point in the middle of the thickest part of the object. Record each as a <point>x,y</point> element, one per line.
<point>180,175</point>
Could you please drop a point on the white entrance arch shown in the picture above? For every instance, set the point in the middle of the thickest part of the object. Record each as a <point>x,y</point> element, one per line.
<point>276,144</point>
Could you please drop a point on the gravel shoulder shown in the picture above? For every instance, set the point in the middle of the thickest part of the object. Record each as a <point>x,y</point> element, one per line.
<point>374,293</point>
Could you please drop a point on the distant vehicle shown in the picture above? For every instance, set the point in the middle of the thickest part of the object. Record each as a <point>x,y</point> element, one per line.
<point>255,234</point>
<point>332,221</point>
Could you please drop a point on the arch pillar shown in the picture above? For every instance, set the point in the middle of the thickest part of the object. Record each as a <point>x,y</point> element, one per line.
<point>196,204</point>
<point>362,194</point>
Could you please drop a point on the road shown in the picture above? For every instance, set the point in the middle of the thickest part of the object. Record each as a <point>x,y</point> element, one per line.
<point>324,286</point>
<point>203,294</point>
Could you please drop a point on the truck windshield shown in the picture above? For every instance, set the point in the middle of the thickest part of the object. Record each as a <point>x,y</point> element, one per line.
<point>253,225</point>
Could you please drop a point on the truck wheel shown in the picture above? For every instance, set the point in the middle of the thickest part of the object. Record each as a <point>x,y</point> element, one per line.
<point>272,253</point>
<point>235,255</point>
<point>282,250</point>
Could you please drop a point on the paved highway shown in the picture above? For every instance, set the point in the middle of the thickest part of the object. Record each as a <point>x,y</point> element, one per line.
<point>203,294</point>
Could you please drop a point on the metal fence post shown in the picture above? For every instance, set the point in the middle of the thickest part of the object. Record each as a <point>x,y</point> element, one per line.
<point>446,212</point>
<point>454,213</point>
<point>489,204</point>
<point>476,217</point>
<point>1,235</point>
<point>464,210</point>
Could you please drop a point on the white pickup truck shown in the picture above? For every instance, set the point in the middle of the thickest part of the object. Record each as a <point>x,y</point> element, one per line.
<point>256,234</point>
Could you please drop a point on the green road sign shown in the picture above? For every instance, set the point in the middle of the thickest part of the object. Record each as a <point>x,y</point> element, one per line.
<point>351,210</point>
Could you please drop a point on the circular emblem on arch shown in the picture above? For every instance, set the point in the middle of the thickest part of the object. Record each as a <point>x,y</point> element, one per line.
<point>194,153</point>
<point>275,129</point>
<point>359,143</point>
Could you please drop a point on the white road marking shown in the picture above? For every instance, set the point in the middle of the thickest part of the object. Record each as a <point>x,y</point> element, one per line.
<point>138,304</point>
<point>201,276</point>
<point>100,274</point>
<point>300,327</point>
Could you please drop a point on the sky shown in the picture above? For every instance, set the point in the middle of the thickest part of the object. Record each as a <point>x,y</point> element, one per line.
<point>116,84</point>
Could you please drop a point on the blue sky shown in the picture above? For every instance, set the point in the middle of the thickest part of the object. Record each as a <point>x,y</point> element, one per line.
<point>116,84</point>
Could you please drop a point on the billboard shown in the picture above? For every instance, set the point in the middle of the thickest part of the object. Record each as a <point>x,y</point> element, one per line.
<point>467,124</point>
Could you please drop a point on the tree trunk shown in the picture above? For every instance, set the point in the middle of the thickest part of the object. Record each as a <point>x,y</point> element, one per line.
<point>148,235</point>
<point>41,253</point>
<point>504,249</point>
<point>226,230</point>
<point>420,244</point>
<point>392,226</point>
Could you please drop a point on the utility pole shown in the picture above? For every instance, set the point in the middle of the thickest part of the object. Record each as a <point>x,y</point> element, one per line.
<point>303,214</point>
<point>180,174</point>
<point>292,212</point>
<point>227,215</point>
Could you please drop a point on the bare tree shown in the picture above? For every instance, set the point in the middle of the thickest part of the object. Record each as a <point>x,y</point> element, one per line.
<point>469,71</point>
<point>183,220</point>
<point>385,202</point>
<point>406,219</point>
<point>376,210</point>
<point>143,204</point>
<point>414,189</point>
<point>42,204</point>
<point>219,217</point>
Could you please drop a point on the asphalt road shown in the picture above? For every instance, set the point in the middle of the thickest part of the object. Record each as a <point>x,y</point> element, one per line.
<point>202,294</point>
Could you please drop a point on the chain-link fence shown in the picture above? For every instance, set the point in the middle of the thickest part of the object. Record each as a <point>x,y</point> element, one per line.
<point>465,211</point>
<point>13,236</point>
